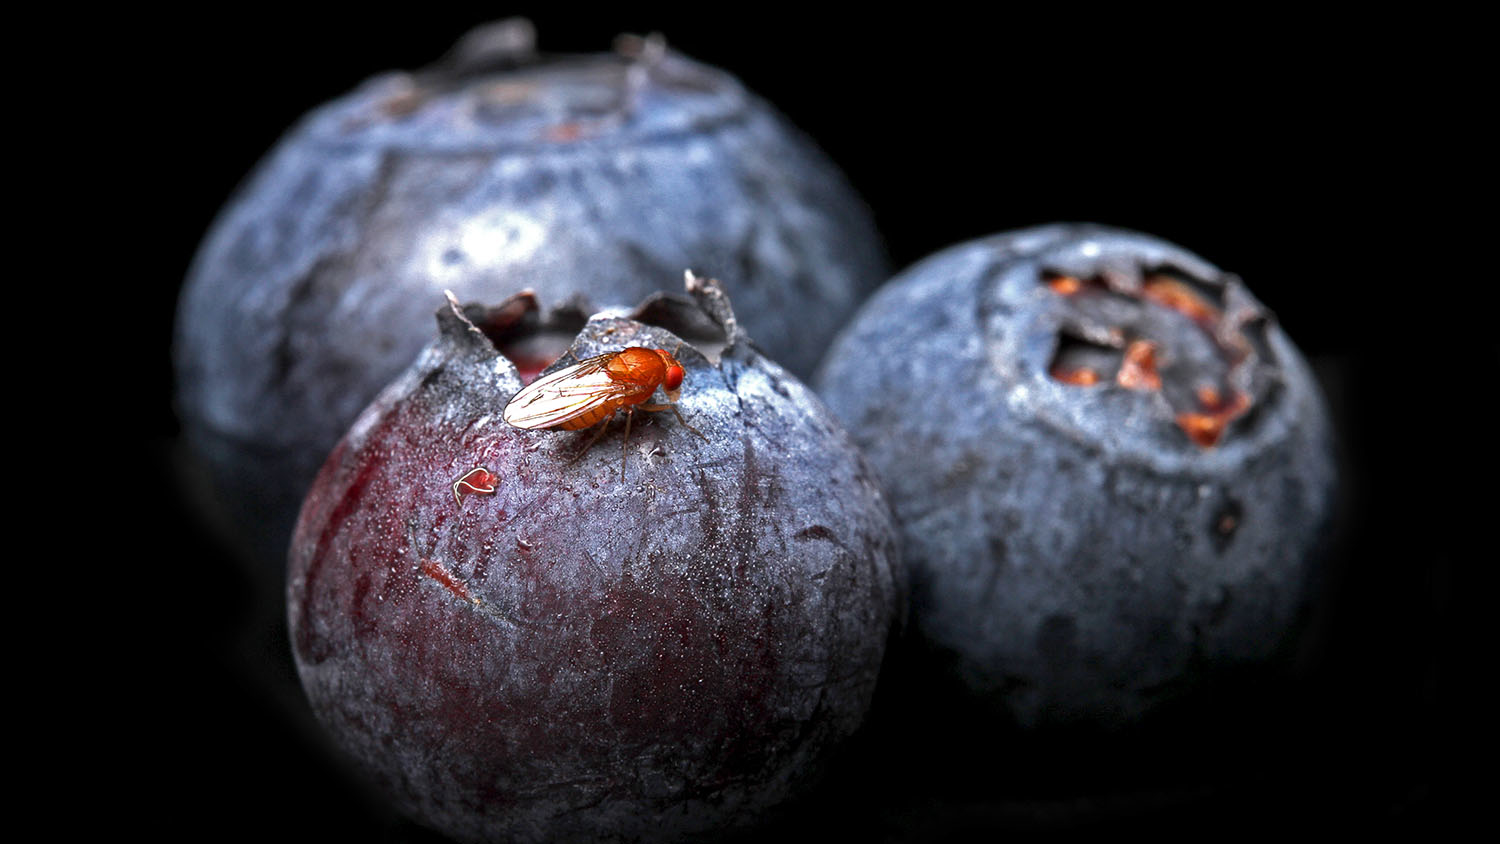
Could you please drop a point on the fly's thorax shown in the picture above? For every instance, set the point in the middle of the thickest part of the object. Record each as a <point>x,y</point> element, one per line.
<point>637,365</point>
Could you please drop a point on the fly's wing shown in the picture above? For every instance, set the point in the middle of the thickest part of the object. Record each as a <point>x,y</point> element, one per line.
<point>566,394</point>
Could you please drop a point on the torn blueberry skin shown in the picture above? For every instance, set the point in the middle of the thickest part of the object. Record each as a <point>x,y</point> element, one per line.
<point>549,653</point>
<point>497,169</point>
<point>1112,471</point>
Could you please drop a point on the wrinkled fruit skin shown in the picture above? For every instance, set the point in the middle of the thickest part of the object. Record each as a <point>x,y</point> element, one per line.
<point>594,176</point>
<point>1073,551</point>
<point>576,658</point>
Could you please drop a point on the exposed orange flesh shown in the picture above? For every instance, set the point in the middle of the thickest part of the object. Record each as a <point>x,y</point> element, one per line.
<point>1207,427</point>
<point>1064,285</point>
<point>1171,293</point>
<point>1083,376</point>
<point>1138,368</point>
<point>1210,397</point>
<point>1202,428</point>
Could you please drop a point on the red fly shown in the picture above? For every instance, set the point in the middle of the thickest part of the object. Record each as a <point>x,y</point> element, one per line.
<point>592,391</point>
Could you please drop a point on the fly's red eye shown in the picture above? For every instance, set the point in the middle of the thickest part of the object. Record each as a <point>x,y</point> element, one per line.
<point>674,377</point>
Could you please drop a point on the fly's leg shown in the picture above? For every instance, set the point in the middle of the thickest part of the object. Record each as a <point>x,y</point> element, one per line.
<point>625,446</point>
<point>603,425</point>
<point>656,408</point>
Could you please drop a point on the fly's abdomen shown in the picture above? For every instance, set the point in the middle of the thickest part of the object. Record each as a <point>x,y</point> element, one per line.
<point>589,419</point>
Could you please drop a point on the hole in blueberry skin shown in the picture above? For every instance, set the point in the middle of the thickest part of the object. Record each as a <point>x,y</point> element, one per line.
<point>533,354</point>
<point>1224,523</point>
<point>531,339</point>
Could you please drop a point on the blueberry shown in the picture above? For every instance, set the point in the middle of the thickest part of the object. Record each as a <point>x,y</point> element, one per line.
<point>496,170</point>
<point>1110,467</point>
<point>518,645</point>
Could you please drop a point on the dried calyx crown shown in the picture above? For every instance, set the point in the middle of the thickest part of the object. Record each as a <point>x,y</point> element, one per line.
<point>532,337</point>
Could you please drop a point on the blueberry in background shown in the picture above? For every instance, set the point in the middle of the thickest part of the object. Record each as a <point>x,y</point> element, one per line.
<point>1112,470</point>
<point>495,170</point>
<point>558,653</point>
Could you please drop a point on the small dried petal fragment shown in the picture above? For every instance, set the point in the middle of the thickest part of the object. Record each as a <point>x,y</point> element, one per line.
<point>477,481</point>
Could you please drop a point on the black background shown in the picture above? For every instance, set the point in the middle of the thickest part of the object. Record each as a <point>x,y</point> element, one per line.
<point>1261,145</point>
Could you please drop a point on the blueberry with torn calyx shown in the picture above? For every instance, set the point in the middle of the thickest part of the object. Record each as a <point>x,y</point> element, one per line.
<point>574,656</point>
<point>1111,469</point>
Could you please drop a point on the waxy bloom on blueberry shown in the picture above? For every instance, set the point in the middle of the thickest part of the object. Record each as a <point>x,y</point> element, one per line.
<point>592,179</point>
<point>563,654</point>
<point>1120,477</point>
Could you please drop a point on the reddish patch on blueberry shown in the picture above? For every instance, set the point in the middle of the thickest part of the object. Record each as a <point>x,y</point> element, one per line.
<point>439,572</point>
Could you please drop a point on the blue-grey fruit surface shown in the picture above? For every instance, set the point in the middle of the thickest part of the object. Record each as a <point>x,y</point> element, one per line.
<point>1111,469</point>
<point>499,169</point>
<point>656,637</point>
